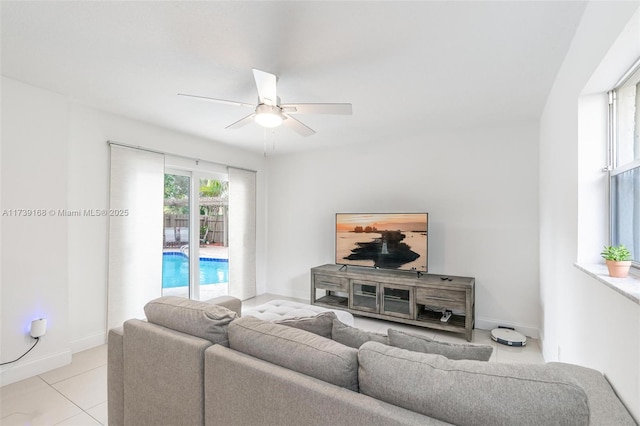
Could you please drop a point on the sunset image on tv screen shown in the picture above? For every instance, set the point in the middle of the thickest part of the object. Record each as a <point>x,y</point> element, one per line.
<point>382,240</point>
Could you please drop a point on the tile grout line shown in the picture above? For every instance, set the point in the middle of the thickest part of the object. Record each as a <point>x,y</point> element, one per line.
<point>99,422</point>
<point>71,377</point>
<point>51,385</point>
<point>65,397</point>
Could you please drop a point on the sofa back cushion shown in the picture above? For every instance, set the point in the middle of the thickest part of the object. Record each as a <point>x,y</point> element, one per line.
<point>320,324</point>
<point>416,343</point>
<point>353,336</point>
<point>297,350</point>
<point>200,319</point>
<point>471,392</point>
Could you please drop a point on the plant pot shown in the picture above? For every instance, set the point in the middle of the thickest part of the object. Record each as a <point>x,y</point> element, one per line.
<point>618,269</point>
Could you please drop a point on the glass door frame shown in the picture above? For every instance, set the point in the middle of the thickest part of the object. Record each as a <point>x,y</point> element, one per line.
<point>379,291</point>
<point>193,253</point>
<point>195,177</point>
<point>353,303</point>
<point>194,236</point>
<point>410,302</point>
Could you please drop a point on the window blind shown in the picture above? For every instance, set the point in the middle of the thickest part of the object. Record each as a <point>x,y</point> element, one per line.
<point>242,233</point>
<point>135,232</point>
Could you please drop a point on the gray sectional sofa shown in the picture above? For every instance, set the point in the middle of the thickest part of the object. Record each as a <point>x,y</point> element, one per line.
<point>199,363</point>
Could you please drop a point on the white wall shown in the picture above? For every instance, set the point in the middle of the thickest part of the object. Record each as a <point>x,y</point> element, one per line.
<point>55,155</point>
<point>34,249</point>
<point>480,188</point>
<point>582,320</point>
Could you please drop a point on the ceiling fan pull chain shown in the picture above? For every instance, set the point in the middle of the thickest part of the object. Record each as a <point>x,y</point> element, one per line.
<point>264,141</point>
<point>273,140</point>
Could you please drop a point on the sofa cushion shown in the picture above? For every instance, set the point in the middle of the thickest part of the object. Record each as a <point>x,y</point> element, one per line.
<point>354,337</point>
<point>471,392</point>
<point>232,303</point>
<point>417,343</point>
<point>320,324</point>
<point>200,319</point>
<point>297,350</point>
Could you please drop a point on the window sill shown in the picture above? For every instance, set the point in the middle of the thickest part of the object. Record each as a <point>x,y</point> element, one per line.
<point>628,287</point>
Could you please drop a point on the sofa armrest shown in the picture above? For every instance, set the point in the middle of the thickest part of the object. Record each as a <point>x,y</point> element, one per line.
<point>229,302</point>
<point>604,405</point>
<point>163,376</point>
<point>115,376</point>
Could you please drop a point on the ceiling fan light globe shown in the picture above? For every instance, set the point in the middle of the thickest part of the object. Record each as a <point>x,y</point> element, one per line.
<point>268,116</point>
<point>268,120</point>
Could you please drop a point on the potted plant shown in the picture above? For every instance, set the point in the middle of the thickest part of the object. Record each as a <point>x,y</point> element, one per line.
<point>618,259</point>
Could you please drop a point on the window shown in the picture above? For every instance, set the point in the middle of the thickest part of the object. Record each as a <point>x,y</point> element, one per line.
<point>624,162</point>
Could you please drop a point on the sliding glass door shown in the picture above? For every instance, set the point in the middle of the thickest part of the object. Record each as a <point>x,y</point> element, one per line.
<point>175,252</point>
<point>195,258</point>
<point>214,243</point>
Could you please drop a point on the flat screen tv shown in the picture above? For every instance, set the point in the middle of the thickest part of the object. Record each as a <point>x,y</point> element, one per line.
<point>383,240</point>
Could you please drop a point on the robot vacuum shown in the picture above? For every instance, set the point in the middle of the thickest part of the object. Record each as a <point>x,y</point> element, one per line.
<point>508,336</point>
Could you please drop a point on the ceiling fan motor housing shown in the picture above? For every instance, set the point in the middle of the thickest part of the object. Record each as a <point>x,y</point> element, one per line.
<point>268,115</point>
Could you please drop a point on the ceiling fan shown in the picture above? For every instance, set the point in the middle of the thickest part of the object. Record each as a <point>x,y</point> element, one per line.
<point>269,112</point>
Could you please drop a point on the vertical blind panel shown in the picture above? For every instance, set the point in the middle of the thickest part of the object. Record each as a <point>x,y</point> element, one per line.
<point>135,232</point>
<point>242,233</point>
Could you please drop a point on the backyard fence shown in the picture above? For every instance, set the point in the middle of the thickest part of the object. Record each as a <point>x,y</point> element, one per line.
<point>212,229</point>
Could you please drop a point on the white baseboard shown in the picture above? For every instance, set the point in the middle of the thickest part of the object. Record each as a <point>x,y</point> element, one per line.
<point>88,342</point>
<point>490,324</point>
<point>24,369</point>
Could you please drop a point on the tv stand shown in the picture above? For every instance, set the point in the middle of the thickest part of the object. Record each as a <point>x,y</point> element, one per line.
<point>398,296</point>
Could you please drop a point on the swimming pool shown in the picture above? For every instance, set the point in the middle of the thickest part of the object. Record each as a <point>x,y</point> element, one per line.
<point>175,270</point>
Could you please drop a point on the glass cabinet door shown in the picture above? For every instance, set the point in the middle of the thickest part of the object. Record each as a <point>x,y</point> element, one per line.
<point>364,296</point>
<point>397,300</point>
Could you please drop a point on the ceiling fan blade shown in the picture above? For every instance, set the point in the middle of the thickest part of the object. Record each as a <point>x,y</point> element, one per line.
<point>297,126</point>
<point>266,84</point>
<point>242,122</point>
<point>343,109</point>
<point>219,101</point>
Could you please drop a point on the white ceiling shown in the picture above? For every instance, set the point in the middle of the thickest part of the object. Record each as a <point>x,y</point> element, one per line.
<point>407,67</point>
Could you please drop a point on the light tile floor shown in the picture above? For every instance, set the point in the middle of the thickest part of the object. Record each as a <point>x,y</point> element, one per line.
<point>73,395</point>
<point>76,395</point>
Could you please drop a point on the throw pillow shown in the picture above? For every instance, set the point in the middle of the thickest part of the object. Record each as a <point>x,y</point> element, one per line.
<point>200,319</point>
<point>416,343</point>
<point>320,324</point>
<point>354,337</point>
<point>470,393</point>
<point>297,350</point>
